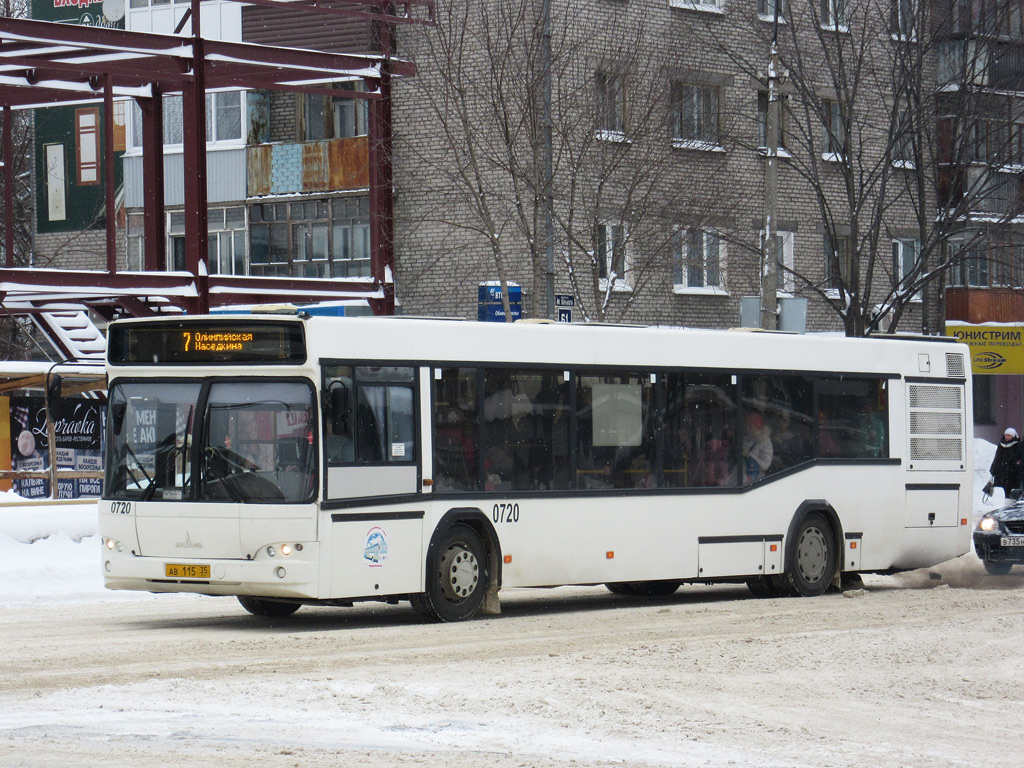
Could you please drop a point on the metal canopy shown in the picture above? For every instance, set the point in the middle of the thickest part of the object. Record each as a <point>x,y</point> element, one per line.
<point>43,63</point>
<point>46,63</point>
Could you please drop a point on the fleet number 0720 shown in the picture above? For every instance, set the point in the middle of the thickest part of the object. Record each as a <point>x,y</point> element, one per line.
<point>505,513</point>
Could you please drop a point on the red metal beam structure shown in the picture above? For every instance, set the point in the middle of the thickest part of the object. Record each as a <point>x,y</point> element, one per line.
<point>44,63</point>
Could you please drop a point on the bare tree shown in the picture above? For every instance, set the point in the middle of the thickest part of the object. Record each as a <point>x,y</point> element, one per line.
<point>615,203</point>
<point>872,87</point>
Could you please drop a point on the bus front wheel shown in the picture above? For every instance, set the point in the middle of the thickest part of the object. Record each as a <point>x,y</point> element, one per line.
<point>813,559</point>
<point>456,576</point>
<point>273,609</point>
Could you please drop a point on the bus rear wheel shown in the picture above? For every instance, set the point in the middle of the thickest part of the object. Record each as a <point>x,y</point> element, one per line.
<point>273,609</point>
<point>456,576</point>
<point>659,588</point>
<point>813,561</point>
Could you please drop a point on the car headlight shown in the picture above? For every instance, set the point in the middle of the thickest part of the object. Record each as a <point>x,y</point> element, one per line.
<point>988,523</point>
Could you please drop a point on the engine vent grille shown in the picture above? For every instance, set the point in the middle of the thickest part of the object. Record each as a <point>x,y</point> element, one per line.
<point>955,365</point>
<point>936,425</point>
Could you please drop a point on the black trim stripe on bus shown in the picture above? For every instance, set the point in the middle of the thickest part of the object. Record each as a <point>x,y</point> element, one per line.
<point>367,517</point>
<point>579,493</point>
<point>854,535</point>
<point>739,539</point>
<point>933,486</point>
<point>937,380</point>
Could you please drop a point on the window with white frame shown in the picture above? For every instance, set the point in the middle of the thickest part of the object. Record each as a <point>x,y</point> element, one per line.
<point>695,114</point>
<point>225,242</point>
<point>224,111</point>
<point>700,5</point>
<point>327,117</point>
<point>766,8</point>
<point>612,258</point>
<point>698,259</point>
<point>905,254</point>
<point>902,19</point>
<point>834,129</point>
<point>611,103</point>
<point>833,14</point>
<point>783,261</point>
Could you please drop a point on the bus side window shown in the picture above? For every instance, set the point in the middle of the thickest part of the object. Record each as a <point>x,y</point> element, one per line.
<point>338,428</point>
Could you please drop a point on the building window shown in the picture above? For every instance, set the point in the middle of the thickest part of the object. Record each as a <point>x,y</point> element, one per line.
<point>695,114</point>
<point>698,259</point>
<point>87,141</point>
<point>351,116</point>
<point>223,119</point>
<point>902,19</point>
<point>834,129</point>
<point>312,238</point>
<point>762,122</point>
<point>833,14</point>
<point>783,261</point>
<point>611,104</point>
<point>225,243</point>
<point>970,265</point>
<point>905,253</point>
<point>350,237</point>
<point>612,259</point>
<point>903,141</point>
<point>766,8</point>
<point>837,262</point>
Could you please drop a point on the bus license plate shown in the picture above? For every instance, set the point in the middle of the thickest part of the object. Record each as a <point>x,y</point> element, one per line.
<point>1011,541</point>
<point>186,571</point>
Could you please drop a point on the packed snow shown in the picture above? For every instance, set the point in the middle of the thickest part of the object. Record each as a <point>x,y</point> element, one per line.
<point>602,681</point>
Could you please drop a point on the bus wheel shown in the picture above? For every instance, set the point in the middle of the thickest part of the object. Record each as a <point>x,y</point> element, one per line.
<point>659,588</point>
<point>814,557</point>
<point>273,609</point>
<point>457,577</point>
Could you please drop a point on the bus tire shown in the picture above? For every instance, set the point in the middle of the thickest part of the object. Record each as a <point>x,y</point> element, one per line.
<point>658,588</point>
<point>769,586</point>
<point>813,558</point>
<point>456,576</point>
<point>271,609</point>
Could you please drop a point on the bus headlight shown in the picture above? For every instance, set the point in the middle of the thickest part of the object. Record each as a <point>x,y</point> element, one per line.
<point>272,551</point>
<point>111,544</point>
<point>286,549</point>
<point>988,523</point>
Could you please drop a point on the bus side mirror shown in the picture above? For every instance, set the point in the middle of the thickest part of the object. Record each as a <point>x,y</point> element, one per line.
<point>339,409</point>
<point>117,412</point>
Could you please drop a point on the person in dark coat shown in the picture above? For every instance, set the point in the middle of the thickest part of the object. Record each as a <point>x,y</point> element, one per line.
<point>1006,467</point>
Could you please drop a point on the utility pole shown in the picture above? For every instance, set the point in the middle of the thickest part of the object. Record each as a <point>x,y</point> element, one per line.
<point>769,249</point>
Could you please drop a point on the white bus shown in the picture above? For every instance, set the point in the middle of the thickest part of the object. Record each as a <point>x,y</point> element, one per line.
<point>291,460</point>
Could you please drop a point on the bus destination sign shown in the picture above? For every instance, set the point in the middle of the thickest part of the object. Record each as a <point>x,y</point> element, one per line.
<point>209,342</point>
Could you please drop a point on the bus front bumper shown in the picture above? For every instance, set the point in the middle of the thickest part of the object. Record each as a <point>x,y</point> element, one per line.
<point>262,577</point>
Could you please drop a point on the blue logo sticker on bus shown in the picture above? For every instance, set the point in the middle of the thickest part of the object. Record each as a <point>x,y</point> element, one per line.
<point>375,551</point>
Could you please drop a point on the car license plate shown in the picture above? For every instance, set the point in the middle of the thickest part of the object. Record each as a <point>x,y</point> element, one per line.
<point>186,571</point>
<point>1011,541</point>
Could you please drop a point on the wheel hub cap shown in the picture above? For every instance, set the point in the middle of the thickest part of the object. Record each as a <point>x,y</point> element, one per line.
<point>811,555</point>
<point>460,573</point>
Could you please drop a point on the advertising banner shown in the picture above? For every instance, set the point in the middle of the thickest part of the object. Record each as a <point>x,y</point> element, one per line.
<point>78,425</point>
<point>995,347</point>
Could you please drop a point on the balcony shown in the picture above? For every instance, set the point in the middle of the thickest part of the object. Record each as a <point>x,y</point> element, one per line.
<point>333,165</point>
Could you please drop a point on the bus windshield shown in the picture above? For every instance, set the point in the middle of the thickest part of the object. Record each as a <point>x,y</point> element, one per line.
<point>225,441</point>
